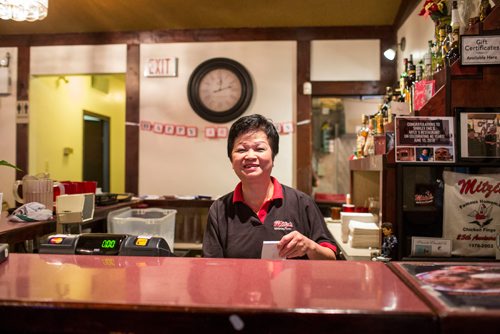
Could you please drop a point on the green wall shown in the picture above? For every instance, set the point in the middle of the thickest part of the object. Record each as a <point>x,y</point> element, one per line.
<point>57,104</point>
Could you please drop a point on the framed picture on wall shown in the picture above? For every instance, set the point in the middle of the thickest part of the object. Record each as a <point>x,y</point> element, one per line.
<point>479,133</point>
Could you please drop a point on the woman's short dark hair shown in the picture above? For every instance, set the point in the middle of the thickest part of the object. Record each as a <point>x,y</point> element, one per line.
<point>252,123</point>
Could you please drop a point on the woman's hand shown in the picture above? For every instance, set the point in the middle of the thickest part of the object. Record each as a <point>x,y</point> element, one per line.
<point>295,244</point>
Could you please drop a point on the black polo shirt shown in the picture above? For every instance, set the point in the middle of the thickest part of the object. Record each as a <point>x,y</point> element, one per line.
<point>235,231</point>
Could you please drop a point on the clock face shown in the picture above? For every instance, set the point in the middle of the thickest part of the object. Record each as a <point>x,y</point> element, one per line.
<point>220,90</point>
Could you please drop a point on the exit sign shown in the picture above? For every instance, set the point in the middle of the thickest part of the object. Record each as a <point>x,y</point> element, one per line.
<point>161,67</point>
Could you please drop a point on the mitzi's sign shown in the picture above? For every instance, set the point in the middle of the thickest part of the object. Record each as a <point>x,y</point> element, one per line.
<point>471,213</point>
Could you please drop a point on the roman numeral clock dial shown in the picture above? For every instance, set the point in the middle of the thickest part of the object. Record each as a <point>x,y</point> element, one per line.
<point>220,90</point>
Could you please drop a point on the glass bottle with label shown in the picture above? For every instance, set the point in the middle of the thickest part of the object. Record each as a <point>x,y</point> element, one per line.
<point>369,148</point>
<point>428,71</point>
<point>484,9</point>
<point>361,136</point>
<point>454,51</point>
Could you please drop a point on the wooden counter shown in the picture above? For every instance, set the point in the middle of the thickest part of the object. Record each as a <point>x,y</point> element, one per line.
<point>13,232</point>
<point>92,294</point>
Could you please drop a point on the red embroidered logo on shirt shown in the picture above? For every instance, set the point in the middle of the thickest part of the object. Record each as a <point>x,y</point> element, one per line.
<point>282,226</point>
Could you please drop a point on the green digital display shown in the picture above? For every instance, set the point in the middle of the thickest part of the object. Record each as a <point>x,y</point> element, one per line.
<point>99,243</point>
<point>108,243</point>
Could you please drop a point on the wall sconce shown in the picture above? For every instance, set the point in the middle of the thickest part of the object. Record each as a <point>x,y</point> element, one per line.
<point>5,75</point>
<point>390,53</point>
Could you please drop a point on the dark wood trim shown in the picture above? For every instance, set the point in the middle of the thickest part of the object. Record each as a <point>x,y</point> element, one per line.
<point>132,119</point>
<point>22,129</point>
<point>304,126</point>
<point>405,9</point>
<point>205,35</point>
<point>347,88</point>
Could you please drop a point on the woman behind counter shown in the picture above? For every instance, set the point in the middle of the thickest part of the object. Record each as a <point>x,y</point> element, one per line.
<point>260,208</point>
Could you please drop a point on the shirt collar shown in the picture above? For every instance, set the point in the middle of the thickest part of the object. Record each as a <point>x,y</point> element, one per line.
<point>277,191</point>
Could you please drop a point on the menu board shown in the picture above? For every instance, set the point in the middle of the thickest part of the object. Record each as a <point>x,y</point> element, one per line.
<point>425,139</point>
<point>470,285</point>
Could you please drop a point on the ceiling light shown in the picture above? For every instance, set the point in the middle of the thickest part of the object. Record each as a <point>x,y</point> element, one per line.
<point>390,54</point>
<point>23,10</point>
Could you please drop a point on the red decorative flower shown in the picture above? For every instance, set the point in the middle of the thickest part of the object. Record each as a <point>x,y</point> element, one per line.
<point>436,9</point>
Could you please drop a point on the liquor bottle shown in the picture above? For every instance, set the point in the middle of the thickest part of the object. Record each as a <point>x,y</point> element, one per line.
<point>379,120</point>
<point>403,82</point>
<point>403,76</point>
<point>428,71</point>
<point>484,9</point>
<point>419,71</point>
<point>387,101</point>
<point>439,49</point>
<point>369,148</point>
<point>446,43</point>
<point>411,71</point>
<point>454,51</point>
<point>361,136</point>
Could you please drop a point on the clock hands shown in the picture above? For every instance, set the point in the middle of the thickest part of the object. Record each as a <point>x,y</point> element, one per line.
<point>222,88</point>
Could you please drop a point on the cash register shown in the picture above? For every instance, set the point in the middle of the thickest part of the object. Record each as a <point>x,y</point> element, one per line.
<point>105,244</point>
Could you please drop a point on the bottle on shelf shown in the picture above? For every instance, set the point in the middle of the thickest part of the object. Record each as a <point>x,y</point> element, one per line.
<point>484,9</point>
<point>438,54</point>
<point>419,69</point>
<point>361,136</point>
<point>428,70</point>
<point>386,106</point>
<point>446,44</point>
<point>404,83</point>
<point>379,121</point>
<point>369,148</point>
<point>454,51</point>
<point>403,77</point>
<point>411,71</point>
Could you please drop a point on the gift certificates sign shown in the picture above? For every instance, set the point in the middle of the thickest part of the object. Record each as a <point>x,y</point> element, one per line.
<point>425,139</point>
<point>480,50</point>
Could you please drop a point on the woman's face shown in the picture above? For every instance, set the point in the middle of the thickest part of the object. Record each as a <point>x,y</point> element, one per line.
<point>252,156</point>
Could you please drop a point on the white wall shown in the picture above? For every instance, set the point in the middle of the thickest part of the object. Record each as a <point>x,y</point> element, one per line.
<point>417,30</point>
<point>78,59</point>
<point>345,60</point>
<point>191,166</point>
<point>8,128</point>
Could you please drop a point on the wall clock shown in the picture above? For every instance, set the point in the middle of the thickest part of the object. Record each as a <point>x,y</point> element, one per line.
<point>220,90</point>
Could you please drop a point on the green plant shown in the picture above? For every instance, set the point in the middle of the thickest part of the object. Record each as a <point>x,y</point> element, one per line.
<point>5,163</point>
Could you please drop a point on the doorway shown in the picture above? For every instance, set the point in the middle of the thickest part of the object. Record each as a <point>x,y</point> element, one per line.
<point>335,122</point>
<point>96,149</point>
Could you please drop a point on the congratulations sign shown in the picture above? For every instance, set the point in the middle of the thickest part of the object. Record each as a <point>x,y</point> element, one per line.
<point>424,139</point>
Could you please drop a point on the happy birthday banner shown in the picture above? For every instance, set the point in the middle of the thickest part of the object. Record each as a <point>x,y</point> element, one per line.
<point>210,132</point>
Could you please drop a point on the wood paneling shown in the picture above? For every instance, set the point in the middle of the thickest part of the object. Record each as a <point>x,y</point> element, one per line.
<point>304,126</point>
<point>22,130</point>
<point>132,119</point>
